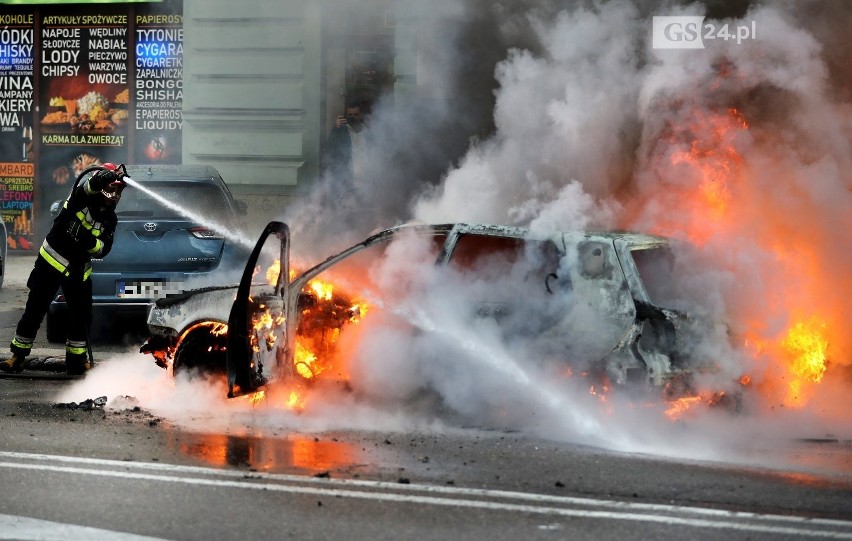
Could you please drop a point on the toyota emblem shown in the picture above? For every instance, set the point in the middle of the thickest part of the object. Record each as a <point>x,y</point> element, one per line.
<point>150,227</point>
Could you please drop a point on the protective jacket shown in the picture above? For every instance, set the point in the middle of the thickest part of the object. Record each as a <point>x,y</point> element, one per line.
<point>83,229</point>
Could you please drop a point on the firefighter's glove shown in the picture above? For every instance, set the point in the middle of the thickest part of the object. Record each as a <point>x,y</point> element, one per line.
<point>103,178</point>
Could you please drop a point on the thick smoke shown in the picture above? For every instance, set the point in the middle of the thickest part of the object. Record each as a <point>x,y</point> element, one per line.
<point>741,149</point>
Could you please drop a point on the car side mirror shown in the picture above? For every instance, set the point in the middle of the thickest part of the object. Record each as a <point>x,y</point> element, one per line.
<point>55,207</point>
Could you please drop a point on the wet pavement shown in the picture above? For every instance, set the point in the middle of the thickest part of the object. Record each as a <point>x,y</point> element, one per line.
<point>45,356</point>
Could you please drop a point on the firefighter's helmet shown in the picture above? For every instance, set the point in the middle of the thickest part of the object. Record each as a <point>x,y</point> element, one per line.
<point>111,192</point>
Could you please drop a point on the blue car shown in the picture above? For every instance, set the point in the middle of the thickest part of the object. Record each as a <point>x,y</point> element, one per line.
<point>179,229</point>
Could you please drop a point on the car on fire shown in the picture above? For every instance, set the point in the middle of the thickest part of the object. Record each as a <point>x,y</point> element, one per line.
<point>161,249</point>
<point>596,298</point>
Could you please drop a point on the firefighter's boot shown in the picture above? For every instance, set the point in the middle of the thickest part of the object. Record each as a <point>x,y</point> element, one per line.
<point>20,348</point>
<point>76,361</point>
<point>12,365</point>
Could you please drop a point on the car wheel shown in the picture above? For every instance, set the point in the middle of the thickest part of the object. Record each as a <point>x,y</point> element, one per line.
<point>202,352</point>
<point>55,328</point>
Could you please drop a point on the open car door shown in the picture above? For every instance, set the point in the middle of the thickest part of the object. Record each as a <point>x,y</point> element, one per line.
<point>258,344</point>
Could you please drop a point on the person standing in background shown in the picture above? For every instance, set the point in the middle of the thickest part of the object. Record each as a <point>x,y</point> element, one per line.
<point>345,148</point>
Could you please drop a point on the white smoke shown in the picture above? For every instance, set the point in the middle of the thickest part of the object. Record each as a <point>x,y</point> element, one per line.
<point>588,132</point>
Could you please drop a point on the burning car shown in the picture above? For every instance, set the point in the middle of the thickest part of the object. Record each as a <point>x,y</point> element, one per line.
<point>597,299</point>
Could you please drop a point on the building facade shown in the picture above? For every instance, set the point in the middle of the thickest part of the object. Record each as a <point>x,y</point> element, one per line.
<point>252,88</point>
<point>264,84</point>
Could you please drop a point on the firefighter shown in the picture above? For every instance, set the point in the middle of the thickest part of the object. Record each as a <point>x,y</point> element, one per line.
<point>83,229</point>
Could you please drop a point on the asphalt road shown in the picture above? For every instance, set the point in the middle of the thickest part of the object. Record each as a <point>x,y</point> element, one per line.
<point>140,467</point>
<point>13,297</point>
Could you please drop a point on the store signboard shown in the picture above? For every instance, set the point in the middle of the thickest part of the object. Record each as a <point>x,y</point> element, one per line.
<point>83,87</point>
<point>158,88</point>
<point>17,103</point>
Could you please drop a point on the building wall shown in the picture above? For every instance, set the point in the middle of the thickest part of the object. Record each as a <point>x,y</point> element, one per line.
<point>251,97</point>
<point>264,82</point>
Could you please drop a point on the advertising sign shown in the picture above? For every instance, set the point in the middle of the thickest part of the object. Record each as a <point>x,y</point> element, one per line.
<point>83,95</point>
<point>159,88</point>
<point>17,97</point>
<point>81,85</point>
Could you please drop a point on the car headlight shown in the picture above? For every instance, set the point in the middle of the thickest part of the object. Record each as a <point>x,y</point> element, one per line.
<point>205,233</point>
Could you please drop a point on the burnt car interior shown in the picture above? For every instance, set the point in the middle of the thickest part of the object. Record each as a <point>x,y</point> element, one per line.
<point>519,272</point>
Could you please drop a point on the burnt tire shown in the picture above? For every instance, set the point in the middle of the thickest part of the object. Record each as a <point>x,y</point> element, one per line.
<point>201,352</point>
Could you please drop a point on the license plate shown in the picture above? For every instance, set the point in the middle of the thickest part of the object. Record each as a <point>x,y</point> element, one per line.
<point>146,289</point>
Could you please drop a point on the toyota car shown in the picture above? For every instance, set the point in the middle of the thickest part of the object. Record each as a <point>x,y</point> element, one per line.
<point>179,228</point>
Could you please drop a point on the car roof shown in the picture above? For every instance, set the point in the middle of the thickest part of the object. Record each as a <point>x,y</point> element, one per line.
<point>630,237</point>
<point>194,173</point>
<point>634,239</point>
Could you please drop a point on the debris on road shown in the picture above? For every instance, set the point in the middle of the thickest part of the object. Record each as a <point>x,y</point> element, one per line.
<point>88,404</point>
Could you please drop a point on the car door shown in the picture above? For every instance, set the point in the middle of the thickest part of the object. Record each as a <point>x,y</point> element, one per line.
<point>258,345</point>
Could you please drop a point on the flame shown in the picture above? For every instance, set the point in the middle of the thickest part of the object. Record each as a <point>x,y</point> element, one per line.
<point>263,320</point>
<point>305,362</point>
<point>600,391</point>
<point>273,271</point>
<point>806,346</point>
<point>805,349</point>
<point>715,162</point>
<point>323,290</point>
<point>219,329</point>
<point>720,202</point>
<point>359,311</point>
<point>676,408</point>
<point>323,312</point>
<point>254,398</point>
<point>295,401</point>
<point>802,351</point>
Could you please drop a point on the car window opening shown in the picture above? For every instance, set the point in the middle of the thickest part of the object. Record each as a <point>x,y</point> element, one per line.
<point>656,268</point>
<point>594,260</point>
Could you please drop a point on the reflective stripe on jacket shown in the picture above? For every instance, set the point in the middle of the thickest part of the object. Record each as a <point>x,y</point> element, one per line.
<point>60,263</point>
<point>56,260</point>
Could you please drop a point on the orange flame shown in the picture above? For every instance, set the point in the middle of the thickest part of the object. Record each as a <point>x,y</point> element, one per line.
<point>306,362</point>
<point>323,290</point>
<point>716,161</point>
<point>255,397</point>
<point>295,401</point>
<point>263,320</point>
<point>358,310</point>
<point>272,272</point>
<point>676,408</point>
<point>806,346</point>
<point>719,198</point>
